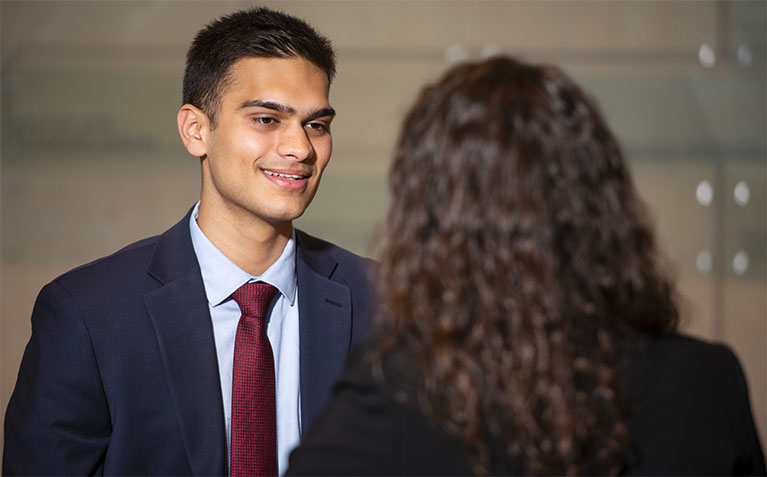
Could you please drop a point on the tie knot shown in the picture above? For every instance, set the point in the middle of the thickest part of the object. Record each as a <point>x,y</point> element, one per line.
<point>254,298</point>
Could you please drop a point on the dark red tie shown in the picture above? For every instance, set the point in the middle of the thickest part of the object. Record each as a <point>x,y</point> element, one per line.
<point>254,415</point>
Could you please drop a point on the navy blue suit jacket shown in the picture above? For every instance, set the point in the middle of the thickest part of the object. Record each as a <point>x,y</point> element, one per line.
<point>121,377</point>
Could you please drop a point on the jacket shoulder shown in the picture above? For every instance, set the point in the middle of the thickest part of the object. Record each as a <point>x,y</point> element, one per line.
<point>336,262</point>
<point>687,397</point>
<point>314,244</point>
<point>690,354</point>
<point>119,267</point>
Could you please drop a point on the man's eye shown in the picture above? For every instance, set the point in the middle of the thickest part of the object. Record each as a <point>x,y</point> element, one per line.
<point>266,120</point>
<point>318,127</point>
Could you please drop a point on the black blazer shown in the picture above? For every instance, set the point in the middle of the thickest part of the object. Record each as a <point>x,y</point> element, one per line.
<point>689,415</point>
<point>120,375</point>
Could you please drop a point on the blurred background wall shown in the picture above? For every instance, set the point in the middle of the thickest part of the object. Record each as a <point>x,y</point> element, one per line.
<point>91,160</point>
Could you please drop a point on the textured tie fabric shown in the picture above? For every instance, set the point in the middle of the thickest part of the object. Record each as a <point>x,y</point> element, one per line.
<point>254,415</point>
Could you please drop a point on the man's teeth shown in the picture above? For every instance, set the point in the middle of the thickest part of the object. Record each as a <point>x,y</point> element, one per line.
<point>286,176</point>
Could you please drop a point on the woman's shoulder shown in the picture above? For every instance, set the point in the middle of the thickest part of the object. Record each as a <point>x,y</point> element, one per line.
<point>379,362</point>
<point>672,353</point>
<point>688,372</point>
<point>371,425</point>
<point>689,409</point>
<point>684,343</point>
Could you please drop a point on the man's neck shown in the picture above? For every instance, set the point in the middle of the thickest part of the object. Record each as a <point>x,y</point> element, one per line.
<point>252,245</point>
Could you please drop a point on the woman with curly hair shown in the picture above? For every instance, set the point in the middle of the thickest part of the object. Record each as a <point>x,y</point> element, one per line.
<point>531,329</point>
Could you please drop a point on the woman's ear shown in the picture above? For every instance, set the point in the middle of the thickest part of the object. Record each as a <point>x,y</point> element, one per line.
<point>193,127</point>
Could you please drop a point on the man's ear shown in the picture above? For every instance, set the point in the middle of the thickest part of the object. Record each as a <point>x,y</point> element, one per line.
<point>193,127</point>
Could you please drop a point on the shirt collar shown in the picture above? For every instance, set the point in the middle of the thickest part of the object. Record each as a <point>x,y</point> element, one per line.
<point>222,277</point>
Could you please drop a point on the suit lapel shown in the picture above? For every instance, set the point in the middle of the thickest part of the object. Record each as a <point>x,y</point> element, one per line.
<point>184,330</point>
<point>324,308</point>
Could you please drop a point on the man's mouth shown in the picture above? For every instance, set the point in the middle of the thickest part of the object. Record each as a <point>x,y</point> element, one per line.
<point>294,176</point>
<point>288,179</point>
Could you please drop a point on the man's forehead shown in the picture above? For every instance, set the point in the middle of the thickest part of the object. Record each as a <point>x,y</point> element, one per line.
<point>251,68</point>
<point>294,83</point>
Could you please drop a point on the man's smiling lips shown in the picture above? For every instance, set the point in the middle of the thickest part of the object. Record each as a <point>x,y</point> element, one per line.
<point>291,179</point>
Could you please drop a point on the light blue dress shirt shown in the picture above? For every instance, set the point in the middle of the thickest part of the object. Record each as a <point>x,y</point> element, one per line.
<point>221,278</point>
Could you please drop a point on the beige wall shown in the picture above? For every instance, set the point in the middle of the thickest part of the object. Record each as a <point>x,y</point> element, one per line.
<point>90,159</point>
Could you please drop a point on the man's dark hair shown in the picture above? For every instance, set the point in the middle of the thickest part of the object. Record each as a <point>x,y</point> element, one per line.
<point>253,33</point>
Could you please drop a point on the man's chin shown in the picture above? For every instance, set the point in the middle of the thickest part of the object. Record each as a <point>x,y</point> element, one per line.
<point>284,217</point>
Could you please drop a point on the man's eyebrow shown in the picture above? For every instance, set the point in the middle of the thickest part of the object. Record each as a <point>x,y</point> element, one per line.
<point>320,113</point>
<point>257,103</point>
<point>281,108</point>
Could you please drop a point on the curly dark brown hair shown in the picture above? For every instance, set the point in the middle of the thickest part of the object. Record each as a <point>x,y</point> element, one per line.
<point>515,254</point>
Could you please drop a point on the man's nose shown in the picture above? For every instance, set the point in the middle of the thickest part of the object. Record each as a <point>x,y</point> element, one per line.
<point>294,143</point>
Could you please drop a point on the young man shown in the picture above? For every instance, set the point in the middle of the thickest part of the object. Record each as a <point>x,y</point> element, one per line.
<point>152,360</point>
